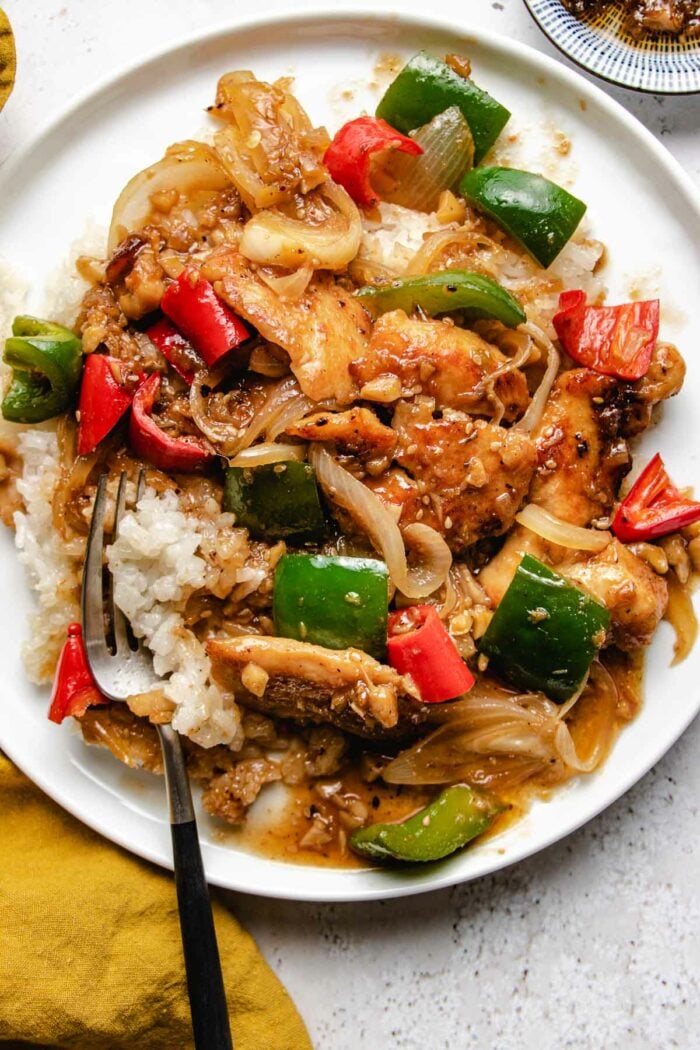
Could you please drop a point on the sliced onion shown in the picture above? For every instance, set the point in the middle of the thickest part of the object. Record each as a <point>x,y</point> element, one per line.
<point>554,530</point>
<point>268,452</point>
<point>465,242</point>
<point>448,151</point>
<point>289,286</point>
<point>681,615</point>
<point>293,410</point>
<point>535,409</point>
<point>592,727</point>
<point>500,731</point>
<point>186,167</point>
<point>373,518</point>
<point>325,236</point>
<point>230,439</point>
<point>493,736</point>
<point>267,363</point>
<point>269,148</point>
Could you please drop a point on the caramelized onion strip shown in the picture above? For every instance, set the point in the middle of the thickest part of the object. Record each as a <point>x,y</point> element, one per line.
<point>372,517</point>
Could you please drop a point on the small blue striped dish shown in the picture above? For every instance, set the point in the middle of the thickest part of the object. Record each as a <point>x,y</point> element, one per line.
<point>658,63</point>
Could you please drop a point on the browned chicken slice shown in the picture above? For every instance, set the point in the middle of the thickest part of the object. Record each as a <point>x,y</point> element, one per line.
<point>632,592</point>
<point>580,465</point>
<point>472,475</point>
<point>632,403</point>
<point>583,456</point>
<point>322,332</point>
<point>309,684</point>
<point>581,446</point>
<point>358,431</point>
<point>454,366</point>
<point>395,488</point>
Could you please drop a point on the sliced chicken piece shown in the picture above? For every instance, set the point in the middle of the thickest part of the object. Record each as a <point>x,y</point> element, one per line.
<point>496,577</point>
<point>629,409</point>
<point>583,456</point>
<point>322,332</point>
<point>630,589</point>
<point>471,474</point>
<point>581,446</point>
<point>358,431</point>
<point>309,684</point>
<point>395,488</point>
<point>580,462</point>
<point>450,364</point>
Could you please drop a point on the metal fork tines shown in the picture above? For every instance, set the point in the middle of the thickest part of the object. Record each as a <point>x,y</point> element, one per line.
<point>126,667</point>
<point>123,668</point>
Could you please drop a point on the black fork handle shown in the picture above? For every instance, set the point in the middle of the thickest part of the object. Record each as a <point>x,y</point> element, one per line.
<point>205,983</point>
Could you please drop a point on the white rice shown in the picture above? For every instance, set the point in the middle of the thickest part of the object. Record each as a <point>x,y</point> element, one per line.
<point>65,287</point>
<point>51,571</point>
<point>394,239</point>
<point>162,556</point>
<point>157,563</point>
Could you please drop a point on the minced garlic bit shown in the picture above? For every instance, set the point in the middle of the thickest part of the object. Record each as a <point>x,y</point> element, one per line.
<point>450,208</point>
<point>255,678</point>
<point>384,389</point>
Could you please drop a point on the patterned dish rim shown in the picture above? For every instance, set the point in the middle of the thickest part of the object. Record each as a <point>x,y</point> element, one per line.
<point>656,64</point>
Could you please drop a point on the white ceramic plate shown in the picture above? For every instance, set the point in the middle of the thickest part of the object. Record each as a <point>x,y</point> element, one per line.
<point>640,202</point>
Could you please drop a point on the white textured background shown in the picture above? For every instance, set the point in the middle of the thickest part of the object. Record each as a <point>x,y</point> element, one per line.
<point>591,945</point>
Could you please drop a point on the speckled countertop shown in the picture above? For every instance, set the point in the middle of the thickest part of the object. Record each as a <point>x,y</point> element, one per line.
<point>591,945</point>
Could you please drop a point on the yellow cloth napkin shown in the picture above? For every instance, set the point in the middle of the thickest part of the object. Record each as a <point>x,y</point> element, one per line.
<point>8,58</point>
<point>90,954</point>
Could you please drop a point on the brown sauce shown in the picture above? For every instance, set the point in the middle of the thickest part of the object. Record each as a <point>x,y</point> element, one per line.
<point>282,837</point>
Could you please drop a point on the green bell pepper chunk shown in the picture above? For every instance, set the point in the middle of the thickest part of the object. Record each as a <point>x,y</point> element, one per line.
<point>332,601</point>
<point>426,86</point>
<point>439,293</point>
<point>545,632</point>
<point>537,213</point>
<point>46,361</point>
<point>276,501</point>
<point>456,816</point>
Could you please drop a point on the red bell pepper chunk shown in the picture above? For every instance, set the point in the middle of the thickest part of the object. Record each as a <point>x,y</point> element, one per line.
<point>653,507</point>
<point>103,400</point>
<point>176,350</point>
<point>349,154</point>
<point>74,688</point>
<point>428,654</point>
<point>196,310</point>
<point>184,454</point>
<point>613,340</point>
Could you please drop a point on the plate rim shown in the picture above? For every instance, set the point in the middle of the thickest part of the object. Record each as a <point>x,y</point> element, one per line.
<point>547,65</point>
<point>640,89</point>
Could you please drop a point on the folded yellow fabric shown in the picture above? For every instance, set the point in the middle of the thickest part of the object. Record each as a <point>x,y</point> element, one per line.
<point>8,58</point>
<point>90,955</point>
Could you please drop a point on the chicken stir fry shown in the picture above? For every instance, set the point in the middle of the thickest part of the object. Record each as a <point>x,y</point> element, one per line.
<point>646,16</point>
<point>385,545</point>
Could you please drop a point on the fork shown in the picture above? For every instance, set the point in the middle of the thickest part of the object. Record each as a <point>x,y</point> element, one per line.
<point>123,669</point>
